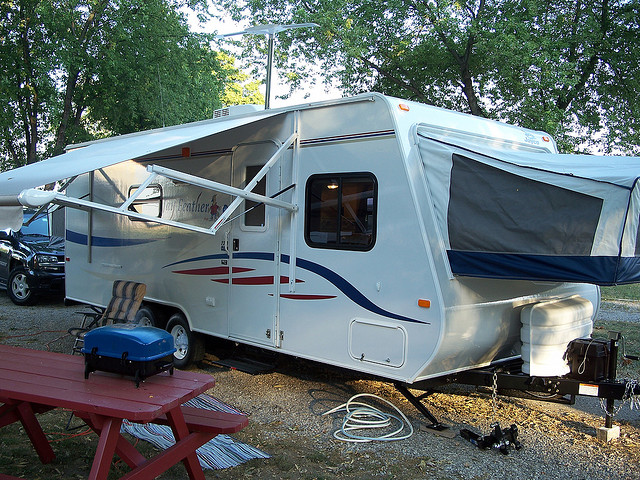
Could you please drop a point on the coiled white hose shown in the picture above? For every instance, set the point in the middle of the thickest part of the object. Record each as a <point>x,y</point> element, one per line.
<point>361,416</point>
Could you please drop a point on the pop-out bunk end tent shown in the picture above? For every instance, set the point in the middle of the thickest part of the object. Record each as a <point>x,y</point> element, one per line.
<point>535,216</point>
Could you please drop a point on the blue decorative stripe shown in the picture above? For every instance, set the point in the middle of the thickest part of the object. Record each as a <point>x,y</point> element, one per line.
<point>255,256</point>
<point>339,282</point>
<point>96,241</point>
<point>347,288</point>
<point>599,270</point>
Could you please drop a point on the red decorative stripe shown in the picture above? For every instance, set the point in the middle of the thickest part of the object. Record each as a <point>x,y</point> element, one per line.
<point>293,296</point>
<point>266,280</point>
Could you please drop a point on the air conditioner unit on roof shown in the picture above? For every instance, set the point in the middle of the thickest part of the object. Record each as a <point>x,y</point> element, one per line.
<point>236,110</point>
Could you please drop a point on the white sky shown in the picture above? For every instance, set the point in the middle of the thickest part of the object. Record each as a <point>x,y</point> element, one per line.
<point>304,94</point>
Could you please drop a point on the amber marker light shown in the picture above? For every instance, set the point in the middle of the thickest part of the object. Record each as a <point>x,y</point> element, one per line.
<point>404,107</point>
<point>424,303</point>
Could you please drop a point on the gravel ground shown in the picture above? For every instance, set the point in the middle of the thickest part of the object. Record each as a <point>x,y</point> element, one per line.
<point>286,406</point>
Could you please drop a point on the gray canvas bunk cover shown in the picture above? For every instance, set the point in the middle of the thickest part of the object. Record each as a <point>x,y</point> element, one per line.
<point>534,216</point>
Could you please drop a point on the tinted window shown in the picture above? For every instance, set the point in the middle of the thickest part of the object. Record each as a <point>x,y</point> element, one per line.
<point>254,211</point>
<point>39,225</point>
<point>341,211</point>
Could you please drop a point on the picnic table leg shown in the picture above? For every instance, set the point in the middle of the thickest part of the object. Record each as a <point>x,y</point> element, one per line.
<point>9,415</point>
<point>180,431</point>
<point>124,449</point>
<point>109,434</point>
<point>35,433</point>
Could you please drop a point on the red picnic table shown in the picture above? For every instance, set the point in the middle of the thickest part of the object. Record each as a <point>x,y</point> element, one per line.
<point>33,381</point>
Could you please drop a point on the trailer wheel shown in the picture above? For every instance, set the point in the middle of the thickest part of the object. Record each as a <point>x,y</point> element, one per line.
<point>145,317</point>
<point>189,346</point>
<point>17,287</point>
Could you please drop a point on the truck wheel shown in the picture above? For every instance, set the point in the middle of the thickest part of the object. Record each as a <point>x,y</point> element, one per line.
<point>145,317</point>
<point>17,287</point>
<point>189,346</point>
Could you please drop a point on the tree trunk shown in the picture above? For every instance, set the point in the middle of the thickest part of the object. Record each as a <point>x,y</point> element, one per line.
<point>74,71</point>
<point>568,95</point>
<point>61,138</point>
<point>31,98</point>
<point>469,91</point>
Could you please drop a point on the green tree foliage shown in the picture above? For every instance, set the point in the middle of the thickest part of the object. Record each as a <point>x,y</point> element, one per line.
<point>74,70</point>
<point>240,90</point>
<point>569,67</point>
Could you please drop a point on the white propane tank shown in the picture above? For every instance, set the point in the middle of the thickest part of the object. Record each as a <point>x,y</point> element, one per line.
<point>547,329</point>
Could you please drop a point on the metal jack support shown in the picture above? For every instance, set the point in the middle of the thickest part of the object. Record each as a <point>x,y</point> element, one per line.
<point>610,431</point>
<point>614,341</point>
<point>415,401</point>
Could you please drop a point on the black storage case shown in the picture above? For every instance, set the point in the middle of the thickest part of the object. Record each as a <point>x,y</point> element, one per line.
<point>128,349</point>
<point>588,359</point>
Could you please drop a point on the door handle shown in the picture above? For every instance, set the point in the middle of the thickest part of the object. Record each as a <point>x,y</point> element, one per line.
<point>236,244</point>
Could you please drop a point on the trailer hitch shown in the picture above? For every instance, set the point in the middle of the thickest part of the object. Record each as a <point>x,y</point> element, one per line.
<point>498,439</point>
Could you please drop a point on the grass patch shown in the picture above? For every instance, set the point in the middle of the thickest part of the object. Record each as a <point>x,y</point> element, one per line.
<point>74,451</point>
<point>621,292</point>
<point>631,344</point>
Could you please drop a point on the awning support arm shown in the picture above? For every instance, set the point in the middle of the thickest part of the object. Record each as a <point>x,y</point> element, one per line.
<point>138,191</point>
<point>220,187</point>
<point>293,185</point>
<point>34,197</point>
<point>78,203</point>
<point>250,186</point>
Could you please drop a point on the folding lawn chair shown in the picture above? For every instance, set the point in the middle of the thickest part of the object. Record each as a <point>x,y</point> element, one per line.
<point>123,306</point>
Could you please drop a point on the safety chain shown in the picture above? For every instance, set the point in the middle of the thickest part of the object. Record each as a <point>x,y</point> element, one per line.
<point>494,396</point>
<point>634,400</point>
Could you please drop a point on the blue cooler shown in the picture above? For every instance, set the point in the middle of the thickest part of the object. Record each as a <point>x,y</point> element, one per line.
<point>128,349</point>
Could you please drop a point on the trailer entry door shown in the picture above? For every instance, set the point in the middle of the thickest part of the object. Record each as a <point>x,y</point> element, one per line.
<point>253,248</point>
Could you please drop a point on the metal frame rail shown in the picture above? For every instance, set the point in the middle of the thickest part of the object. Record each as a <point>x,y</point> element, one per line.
<point>554,389</point>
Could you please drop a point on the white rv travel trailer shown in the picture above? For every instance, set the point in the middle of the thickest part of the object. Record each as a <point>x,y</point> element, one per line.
<point>370,233</point>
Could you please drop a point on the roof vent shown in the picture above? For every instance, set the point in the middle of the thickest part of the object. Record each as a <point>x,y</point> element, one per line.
<point>236,110</point>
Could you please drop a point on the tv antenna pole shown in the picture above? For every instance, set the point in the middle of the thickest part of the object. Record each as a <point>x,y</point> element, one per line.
<point>270,30</point>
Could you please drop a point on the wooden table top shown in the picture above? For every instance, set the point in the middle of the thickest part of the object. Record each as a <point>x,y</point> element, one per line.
<point>57,380</point>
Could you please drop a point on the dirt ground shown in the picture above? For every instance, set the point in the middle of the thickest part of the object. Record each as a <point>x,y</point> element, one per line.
<point>286,406</point>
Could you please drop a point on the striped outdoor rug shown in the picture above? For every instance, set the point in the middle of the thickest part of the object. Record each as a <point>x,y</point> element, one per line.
<point>220,452</point>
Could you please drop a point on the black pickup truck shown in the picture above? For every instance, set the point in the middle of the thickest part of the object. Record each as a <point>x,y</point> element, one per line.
<point>31,261</point>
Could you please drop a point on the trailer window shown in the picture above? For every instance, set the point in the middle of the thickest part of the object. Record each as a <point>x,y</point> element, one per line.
<point>254,211</point>
<point>341,211</point>
<point>149,202</point>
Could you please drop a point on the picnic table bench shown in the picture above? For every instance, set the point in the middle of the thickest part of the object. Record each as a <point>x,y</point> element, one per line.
<point>34,382</point>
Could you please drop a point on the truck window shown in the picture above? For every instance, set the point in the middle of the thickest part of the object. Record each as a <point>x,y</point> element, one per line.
<point>341,211</point>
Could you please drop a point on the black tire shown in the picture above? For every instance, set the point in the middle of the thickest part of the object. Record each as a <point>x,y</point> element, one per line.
<point>18,288</point>
<point>146,317</point>
<point>189,346</point>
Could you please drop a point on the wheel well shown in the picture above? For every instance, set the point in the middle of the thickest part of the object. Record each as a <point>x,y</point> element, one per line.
<point>16,263</point>
<point>161,312</point>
